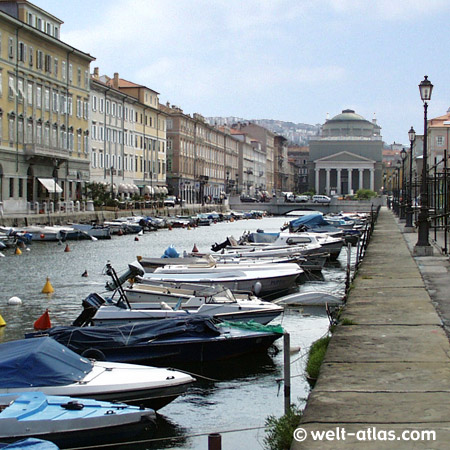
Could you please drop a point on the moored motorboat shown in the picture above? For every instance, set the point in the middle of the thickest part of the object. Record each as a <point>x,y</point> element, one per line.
<point>69,422</point>
<point>194,339</point>
<point>45,365</point>
<point>97,311</point>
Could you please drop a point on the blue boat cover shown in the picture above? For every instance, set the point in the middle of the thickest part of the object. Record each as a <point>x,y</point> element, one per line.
<point>134,334</point>
<point>310,220</point>
<point>30,444</point>
<point>40,362</point>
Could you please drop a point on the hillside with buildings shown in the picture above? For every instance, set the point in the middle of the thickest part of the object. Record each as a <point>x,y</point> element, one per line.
<point>296,133</point>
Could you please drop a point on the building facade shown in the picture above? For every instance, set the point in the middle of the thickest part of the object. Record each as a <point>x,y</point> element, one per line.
<point>347,156</point>
<point>44,110</point>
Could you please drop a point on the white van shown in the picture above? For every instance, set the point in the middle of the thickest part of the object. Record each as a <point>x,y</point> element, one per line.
<point>321,199</point>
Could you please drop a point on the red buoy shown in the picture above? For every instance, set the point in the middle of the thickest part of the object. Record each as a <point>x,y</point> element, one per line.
<point>43,323</point>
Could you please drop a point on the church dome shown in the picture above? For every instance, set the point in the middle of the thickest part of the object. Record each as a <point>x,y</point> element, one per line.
<point>347,114</point>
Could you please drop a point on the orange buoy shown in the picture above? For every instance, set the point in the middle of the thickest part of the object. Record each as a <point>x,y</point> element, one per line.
<point>48,288</point>
<point>67,249</point>
<point>42,236</point>
<point>43,323</point>
<point>136,238</point>
<point>18,251</point>
<point>195,249</point>
<point>169,227</point>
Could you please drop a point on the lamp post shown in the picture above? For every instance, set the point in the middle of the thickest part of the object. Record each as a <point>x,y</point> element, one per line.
<point>409,211</point>
<point>403,200</point>
<point>423,247</point>
<point>397,202</point>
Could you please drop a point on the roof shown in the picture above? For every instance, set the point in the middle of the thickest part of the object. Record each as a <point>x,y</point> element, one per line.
<point>347,114</point>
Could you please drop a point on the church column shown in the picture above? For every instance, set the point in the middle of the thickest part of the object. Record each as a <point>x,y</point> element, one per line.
<point>361,178</point>
<point>317,172</point>
<point>327,186</point>
<point>339,181</point>
<point>372,179</point>
<point>350,171</point>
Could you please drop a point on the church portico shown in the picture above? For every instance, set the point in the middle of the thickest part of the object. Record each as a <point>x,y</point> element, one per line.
<point>344,173</point>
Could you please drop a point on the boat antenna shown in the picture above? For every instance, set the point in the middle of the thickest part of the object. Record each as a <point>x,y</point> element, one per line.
<point>113,274</point>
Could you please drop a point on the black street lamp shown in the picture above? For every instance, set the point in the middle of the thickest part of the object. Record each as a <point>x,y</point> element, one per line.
<point>409,210</point>
<point>423,247</point>
<point>403,200</point>
<point>397,188</point>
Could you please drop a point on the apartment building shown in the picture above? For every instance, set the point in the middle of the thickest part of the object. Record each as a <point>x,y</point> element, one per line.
<point>202,160</point>
<point>267,141</point>
<point>134,138</point>
<point>44,110</point>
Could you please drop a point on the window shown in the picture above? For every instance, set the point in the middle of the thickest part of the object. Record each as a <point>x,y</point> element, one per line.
<point>20,187</point>
<point>30,19</point>
<point>102,105</point>
<point>55,101</point>
<point>49,28</point>
<point>63,70</point>
<point>30,93</point>
<point>11,187</point>
<point>47,99</point>
<point>48,64</point>
<point>86,110</point>
<point>70,73</point>
<point>11,87</point>
<point>20,93</point>
<point>11,47</point>
<point>439,141</point>
<point>79,141</point>
<point>39,59</point>
<point>22,52</point>
<point>94,159</point>
<point>119,111</point>
<point>108,107</point>
<point>30,56</point>
<point>79,107</point>
<point>86,79</point>
<point>113,112</point>
<point>55,62</point>
<point>56,32</point>
<point>86,143</point>
<point>70,105</point>
<point>94,103</point>
<point>79,76</point>
<point>39,97</point>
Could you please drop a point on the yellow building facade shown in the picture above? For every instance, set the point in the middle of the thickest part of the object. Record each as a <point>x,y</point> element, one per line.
<point>44,110</point>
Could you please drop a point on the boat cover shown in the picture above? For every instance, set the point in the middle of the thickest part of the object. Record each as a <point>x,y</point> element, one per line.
<point>262,238</point>
<point>40,362</point>
<point>137,333</point>
<point>30,444</point>
<point>312,222</point>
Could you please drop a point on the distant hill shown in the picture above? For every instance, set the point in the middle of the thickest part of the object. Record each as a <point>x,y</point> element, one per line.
<point>296,133</point>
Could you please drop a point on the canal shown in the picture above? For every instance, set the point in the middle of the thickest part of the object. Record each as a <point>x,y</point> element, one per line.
<point>233,398</point>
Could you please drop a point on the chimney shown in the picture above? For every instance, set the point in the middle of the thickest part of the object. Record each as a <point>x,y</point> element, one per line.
<point>374,120</point>
<point>116,80</point>
<point>96,73</point>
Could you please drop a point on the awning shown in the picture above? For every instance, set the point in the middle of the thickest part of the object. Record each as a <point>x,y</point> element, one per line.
<point>51,185</point>
<point>148,190</point>
<point>157,190</point>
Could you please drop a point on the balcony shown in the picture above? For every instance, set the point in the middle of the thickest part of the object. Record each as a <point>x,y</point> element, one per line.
<point>38,150</point>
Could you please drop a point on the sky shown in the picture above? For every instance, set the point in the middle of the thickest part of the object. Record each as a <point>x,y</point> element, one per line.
<point>291,60</point>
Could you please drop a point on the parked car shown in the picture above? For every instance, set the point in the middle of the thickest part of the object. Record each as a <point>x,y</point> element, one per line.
<point>248,199</point>
<point>321,199</point>
<point>170,200</point>
<point>302,198</point>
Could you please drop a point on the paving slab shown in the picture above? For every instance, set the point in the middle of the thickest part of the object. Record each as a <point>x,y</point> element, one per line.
<point>379,407</point>
<point>385,377</point>
<point>358,343</point>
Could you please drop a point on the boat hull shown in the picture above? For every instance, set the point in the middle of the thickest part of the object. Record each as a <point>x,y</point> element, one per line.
<point>70,422</point>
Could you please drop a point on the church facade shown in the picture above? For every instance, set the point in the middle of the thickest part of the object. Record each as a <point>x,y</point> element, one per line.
<point>346,156</point>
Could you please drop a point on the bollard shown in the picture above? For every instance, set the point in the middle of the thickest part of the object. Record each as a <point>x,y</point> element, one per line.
<point>214,441</point>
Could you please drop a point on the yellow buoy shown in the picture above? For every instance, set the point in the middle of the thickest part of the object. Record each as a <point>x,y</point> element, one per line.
<point>18,251</point>
<point>2,321</point>
<point>48,288</point>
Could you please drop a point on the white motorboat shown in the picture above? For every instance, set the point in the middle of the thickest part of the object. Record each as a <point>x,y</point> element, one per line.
<point>96,231</point>
<point>224,306</point>
<point>71,422</point>
<point>261,279</point>
<point>42,364</point>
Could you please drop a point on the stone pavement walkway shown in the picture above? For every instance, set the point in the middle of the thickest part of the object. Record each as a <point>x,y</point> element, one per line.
<point>389,372</point>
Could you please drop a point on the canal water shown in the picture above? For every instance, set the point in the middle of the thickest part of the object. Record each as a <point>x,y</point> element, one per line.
<point>235,397</point>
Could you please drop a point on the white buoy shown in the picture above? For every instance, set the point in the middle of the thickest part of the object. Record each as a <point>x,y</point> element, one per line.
<point>14,301</point>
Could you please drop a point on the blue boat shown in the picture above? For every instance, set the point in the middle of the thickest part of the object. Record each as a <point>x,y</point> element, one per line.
<point>194,339</point>
<point>30,444</point>
<point>45,365</point>
<point>69,422</point>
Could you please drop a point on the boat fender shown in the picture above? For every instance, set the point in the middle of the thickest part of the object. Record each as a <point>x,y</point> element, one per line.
<point>73,406</point>
<point>94,353</point>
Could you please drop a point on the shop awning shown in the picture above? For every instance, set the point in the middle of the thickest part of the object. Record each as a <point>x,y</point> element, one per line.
<point>51,185</point>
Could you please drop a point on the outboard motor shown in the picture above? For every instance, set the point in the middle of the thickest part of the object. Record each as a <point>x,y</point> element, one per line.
<point>134,270</point>
<point>91,304</point>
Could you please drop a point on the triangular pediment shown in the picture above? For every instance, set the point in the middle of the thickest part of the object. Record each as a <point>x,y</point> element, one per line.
<point>344,156</point>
